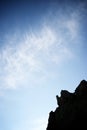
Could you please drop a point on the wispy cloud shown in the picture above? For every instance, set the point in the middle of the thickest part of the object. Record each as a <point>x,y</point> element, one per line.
<point>24,57</point>
<point>28,56</point>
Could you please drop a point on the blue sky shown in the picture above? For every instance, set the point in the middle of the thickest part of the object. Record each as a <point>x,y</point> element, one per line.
<point>42,51</point>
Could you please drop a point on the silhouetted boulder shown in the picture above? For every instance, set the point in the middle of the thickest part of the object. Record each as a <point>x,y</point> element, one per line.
<point>65,97</point>
<point>71,112</point>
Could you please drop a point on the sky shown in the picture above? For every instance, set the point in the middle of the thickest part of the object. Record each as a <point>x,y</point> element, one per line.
<point>43,48</point>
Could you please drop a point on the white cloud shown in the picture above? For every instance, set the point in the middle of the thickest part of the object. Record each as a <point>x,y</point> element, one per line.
<point>42,40</point>
<point>20,61</point>
<point>26,57</point>
<point>30,55</point>
<point>72,24</point>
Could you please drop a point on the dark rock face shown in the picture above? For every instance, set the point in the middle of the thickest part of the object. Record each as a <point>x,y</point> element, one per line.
<point>71,112</point>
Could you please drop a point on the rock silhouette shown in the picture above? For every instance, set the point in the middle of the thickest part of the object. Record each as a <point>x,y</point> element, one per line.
<point>71,112</point>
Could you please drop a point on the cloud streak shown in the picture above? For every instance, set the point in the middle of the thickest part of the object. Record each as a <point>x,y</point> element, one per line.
<point>25,57</point>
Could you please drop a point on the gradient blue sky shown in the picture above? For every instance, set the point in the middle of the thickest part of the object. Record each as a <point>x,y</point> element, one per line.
<point>43,48</point>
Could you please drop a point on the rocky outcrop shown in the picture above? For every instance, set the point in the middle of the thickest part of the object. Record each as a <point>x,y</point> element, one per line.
<point>71,112</point>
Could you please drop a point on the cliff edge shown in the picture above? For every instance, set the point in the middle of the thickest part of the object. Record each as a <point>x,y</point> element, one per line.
<point>71,112</point>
